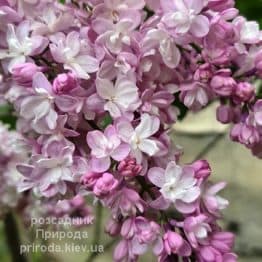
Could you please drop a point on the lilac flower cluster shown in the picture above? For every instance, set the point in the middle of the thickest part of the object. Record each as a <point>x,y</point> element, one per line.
<point>93,84</point>
<point>11,153</point>
<point>54,214</point>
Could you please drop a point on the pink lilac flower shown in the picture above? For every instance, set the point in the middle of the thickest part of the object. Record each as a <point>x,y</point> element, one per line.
<point>184,17</point>
<point>20,45</point>
<point>104,146</point>
<point>139,233</point>
<point>120,98</point>
<point>125,202</point>
<point>165,44</point>
<point>213,202</point>
<point>139,138</point>
<point>196,229</point>
<point>72,53</point>
<point>249,32</point>
<point>39,106</point>
<point>48,172</point>
<point>51,21</point>
<point>117,35</point>
<point>176,184</point>
<point>194,95</point>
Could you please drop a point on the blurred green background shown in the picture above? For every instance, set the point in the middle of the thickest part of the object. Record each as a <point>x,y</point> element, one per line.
<point>231,162</point>
<point>252,9</point>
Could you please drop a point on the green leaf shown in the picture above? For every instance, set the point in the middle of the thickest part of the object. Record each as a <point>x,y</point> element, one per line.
<point>106,121</point>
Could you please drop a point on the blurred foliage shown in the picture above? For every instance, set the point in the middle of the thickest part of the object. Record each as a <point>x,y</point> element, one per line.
<point>4,253</point>
<point>252,9</point>
<point>182,108</point>
<point>7,116</point>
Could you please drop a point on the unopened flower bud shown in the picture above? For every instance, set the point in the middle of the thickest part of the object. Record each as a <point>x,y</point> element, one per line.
<point>225,114</point>
<point>244,92</point>
<point>64,83</point>
<point>105,184</point>
<point>175,244</point>
<point>223,85</point>
<point>89,179</point>
<point>129,167</point>
<point>113,228</point>
<point>202,169</point>
<point>23,73</point>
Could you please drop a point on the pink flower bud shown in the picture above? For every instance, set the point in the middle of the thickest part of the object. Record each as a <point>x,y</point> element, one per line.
<point>89,179</point>
<point>220,5</point>
<point>203,73</point>
<point>258,63</point>
<point>77,201</point>
<point>244,92</point>
<point>223,241</point>
<point>202,169</point>
<point>113,228</point>
<point>128,228</point>
<point>174,243</point>
<point>208,253</point>
<point>23,73</point>
<point>235,132</point>
<point>249,135</point>
<point>64,83</point>
<point>258,112</point>
<point>223,85</point>
<point>257,150</point>
<point>129,167</point>
<point>225,114</point>
<point>121,251</point>
<point>105,185</point>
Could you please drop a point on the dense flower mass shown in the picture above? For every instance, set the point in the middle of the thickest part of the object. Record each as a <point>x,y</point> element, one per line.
<point>94,84</point>
<point>12,151</point>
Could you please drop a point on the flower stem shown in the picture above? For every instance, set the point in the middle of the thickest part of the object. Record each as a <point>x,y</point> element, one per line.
<point>209,146</point>
<point>13,238</point>
<point>97,231</point>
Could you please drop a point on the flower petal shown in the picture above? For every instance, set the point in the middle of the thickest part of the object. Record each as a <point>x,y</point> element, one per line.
<point>148,126</point>
<point>200,26</point>
<point>121,152</point>
<point>156,175</point>
<point>148,146</point>
<point>100,165</point>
